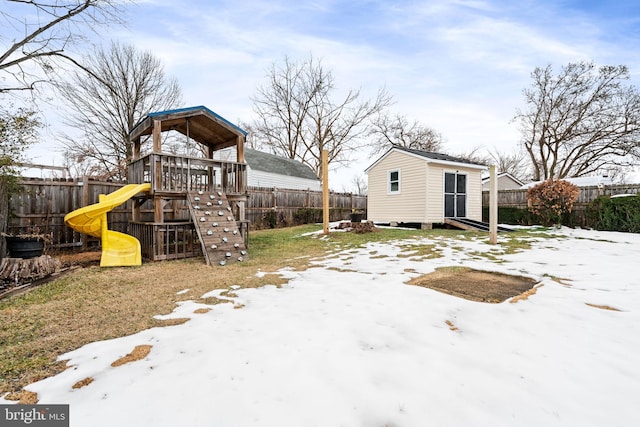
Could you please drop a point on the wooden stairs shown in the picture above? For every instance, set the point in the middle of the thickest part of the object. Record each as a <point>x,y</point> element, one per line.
<point>216,226</point>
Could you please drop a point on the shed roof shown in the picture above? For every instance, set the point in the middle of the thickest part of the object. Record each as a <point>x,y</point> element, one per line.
<point>266,162</point>
<point>198,123</point>
<point>431,158</point>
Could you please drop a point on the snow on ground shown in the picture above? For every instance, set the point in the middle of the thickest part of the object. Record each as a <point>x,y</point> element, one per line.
<point>348,343</point>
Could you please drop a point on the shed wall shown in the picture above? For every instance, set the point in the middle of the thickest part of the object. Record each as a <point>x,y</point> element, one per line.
<point>408,205</point>
<point>421,196</point>
<point>435,192</point>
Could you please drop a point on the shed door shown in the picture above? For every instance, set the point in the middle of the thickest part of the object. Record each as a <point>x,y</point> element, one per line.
<point>455,195</point>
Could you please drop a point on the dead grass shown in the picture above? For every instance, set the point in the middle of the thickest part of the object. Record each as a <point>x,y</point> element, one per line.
<point>172,322</point>
<point>602,307</point>
<point>451,326</point>
<point>474,285</point>
<point>138,353</point>
<point>23,397</point>
<point>525,295</point>
<point>82,383</point>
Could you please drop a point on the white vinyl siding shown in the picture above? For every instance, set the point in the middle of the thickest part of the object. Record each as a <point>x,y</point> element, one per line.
<point>256,178</point>
<point>434,191</point>
<point>474,194</point>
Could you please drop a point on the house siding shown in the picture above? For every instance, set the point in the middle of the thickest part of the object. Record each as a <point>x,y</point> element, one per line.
<point>504,183</point>
<point>421,196</point>
<point>474,195</point>
<point>256,178</point>
<point>408,204</point>
<point>261,178</point>
<point>435,192</point>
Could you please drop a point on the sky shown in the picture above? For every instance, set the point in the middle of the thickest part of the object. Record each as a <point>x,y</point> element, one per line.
<point>349,343</point>
<point>457,66</point>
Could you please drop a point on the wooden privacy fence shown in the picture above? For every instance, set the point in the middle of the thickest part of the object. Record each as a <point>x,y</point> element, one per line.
<point>518,198</point>
<point>42,204</point>
<point>272,206</point>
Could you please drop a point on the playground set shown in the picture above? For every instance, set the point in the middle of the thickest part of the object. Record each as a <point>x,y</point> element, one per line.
<point>182,206</point>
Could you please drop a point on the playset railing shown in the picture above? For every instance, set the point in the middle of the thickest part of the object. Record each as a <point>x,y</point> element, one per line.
<point>169,173</point>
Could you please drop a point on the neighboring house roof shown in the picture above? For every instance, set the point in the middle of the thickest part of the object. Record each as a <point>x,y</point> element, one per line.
<point>431,158</point>
<point>583,181</point>
<point>505,175</point>
<point>271,163</point>
<point>506,181</point>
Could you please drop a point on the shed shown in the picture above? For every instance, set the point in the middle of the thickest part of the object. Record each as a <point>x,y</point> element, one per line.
<point>269,170</point>
<point>413,186</point>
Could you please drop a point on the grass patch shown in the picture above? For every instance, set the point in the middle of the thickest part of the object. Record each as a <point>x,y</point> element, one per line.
<point>138,353</point>
<point>602,307</point>
<point>560,280</point>
<point>420,252</point>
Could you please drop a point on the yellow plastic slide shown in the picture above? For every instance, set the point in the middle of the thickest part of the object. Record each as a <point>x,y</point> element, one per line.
<point>118,249</point>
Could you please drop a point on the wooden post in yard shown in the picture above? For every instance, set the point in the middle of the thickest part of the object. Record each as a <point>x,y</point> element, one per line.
<point>325,191</point>
<point>493,205</point>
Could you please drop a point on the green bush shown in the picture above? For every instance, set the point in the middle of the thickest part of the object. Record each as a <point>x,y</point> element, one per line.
<point>512,216</point>
<point>307,216</point>
<point>615,214</point>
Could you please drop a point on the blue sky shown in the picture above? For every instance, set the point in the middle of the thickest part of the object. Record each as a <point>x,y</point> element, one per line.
<point>457,66</point>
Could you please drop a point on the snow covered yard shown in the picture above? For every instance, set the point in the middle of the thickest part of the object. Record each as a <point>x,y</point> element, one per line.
<point>348,343</point>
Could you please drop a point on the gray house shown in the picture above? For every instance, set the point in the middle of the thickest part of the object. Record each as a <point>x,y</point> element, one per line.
<point>506,181</point>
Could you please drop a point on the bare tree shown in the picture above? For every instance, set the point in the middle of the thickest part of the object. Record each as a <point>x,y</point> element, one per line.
<point>300,115</point>
<point>396,131</point>
<point>581,121</point>
<point>129,85</point>
<point>515,163</point>
<point>475,155</point>
<point>358,186</point>
<point>39,35</point>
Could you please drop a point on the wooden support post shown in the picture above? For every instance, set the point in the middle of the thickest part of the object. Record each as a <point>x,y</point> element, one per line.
<point>157,137</point>
<point>493,205</point>
<point>325,191</point>
<point>240,149</point>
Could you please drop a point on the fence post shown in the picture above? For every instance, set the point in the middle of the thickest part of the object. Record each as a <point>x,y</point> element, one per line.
<point>85,202</point>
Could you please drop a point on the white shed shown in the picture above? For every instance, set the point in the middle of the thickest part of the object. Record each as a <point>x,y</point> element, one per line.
<point>413,186</point>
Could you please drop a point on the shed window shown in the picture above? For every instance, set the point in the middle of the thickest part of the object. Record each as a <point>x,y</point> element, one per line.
<point>394,181</point>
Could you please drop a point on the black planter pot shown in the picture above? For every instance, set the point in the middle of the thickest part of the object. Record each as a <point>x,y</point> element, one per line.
<point>25,247</point>
<point>356,217</point>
